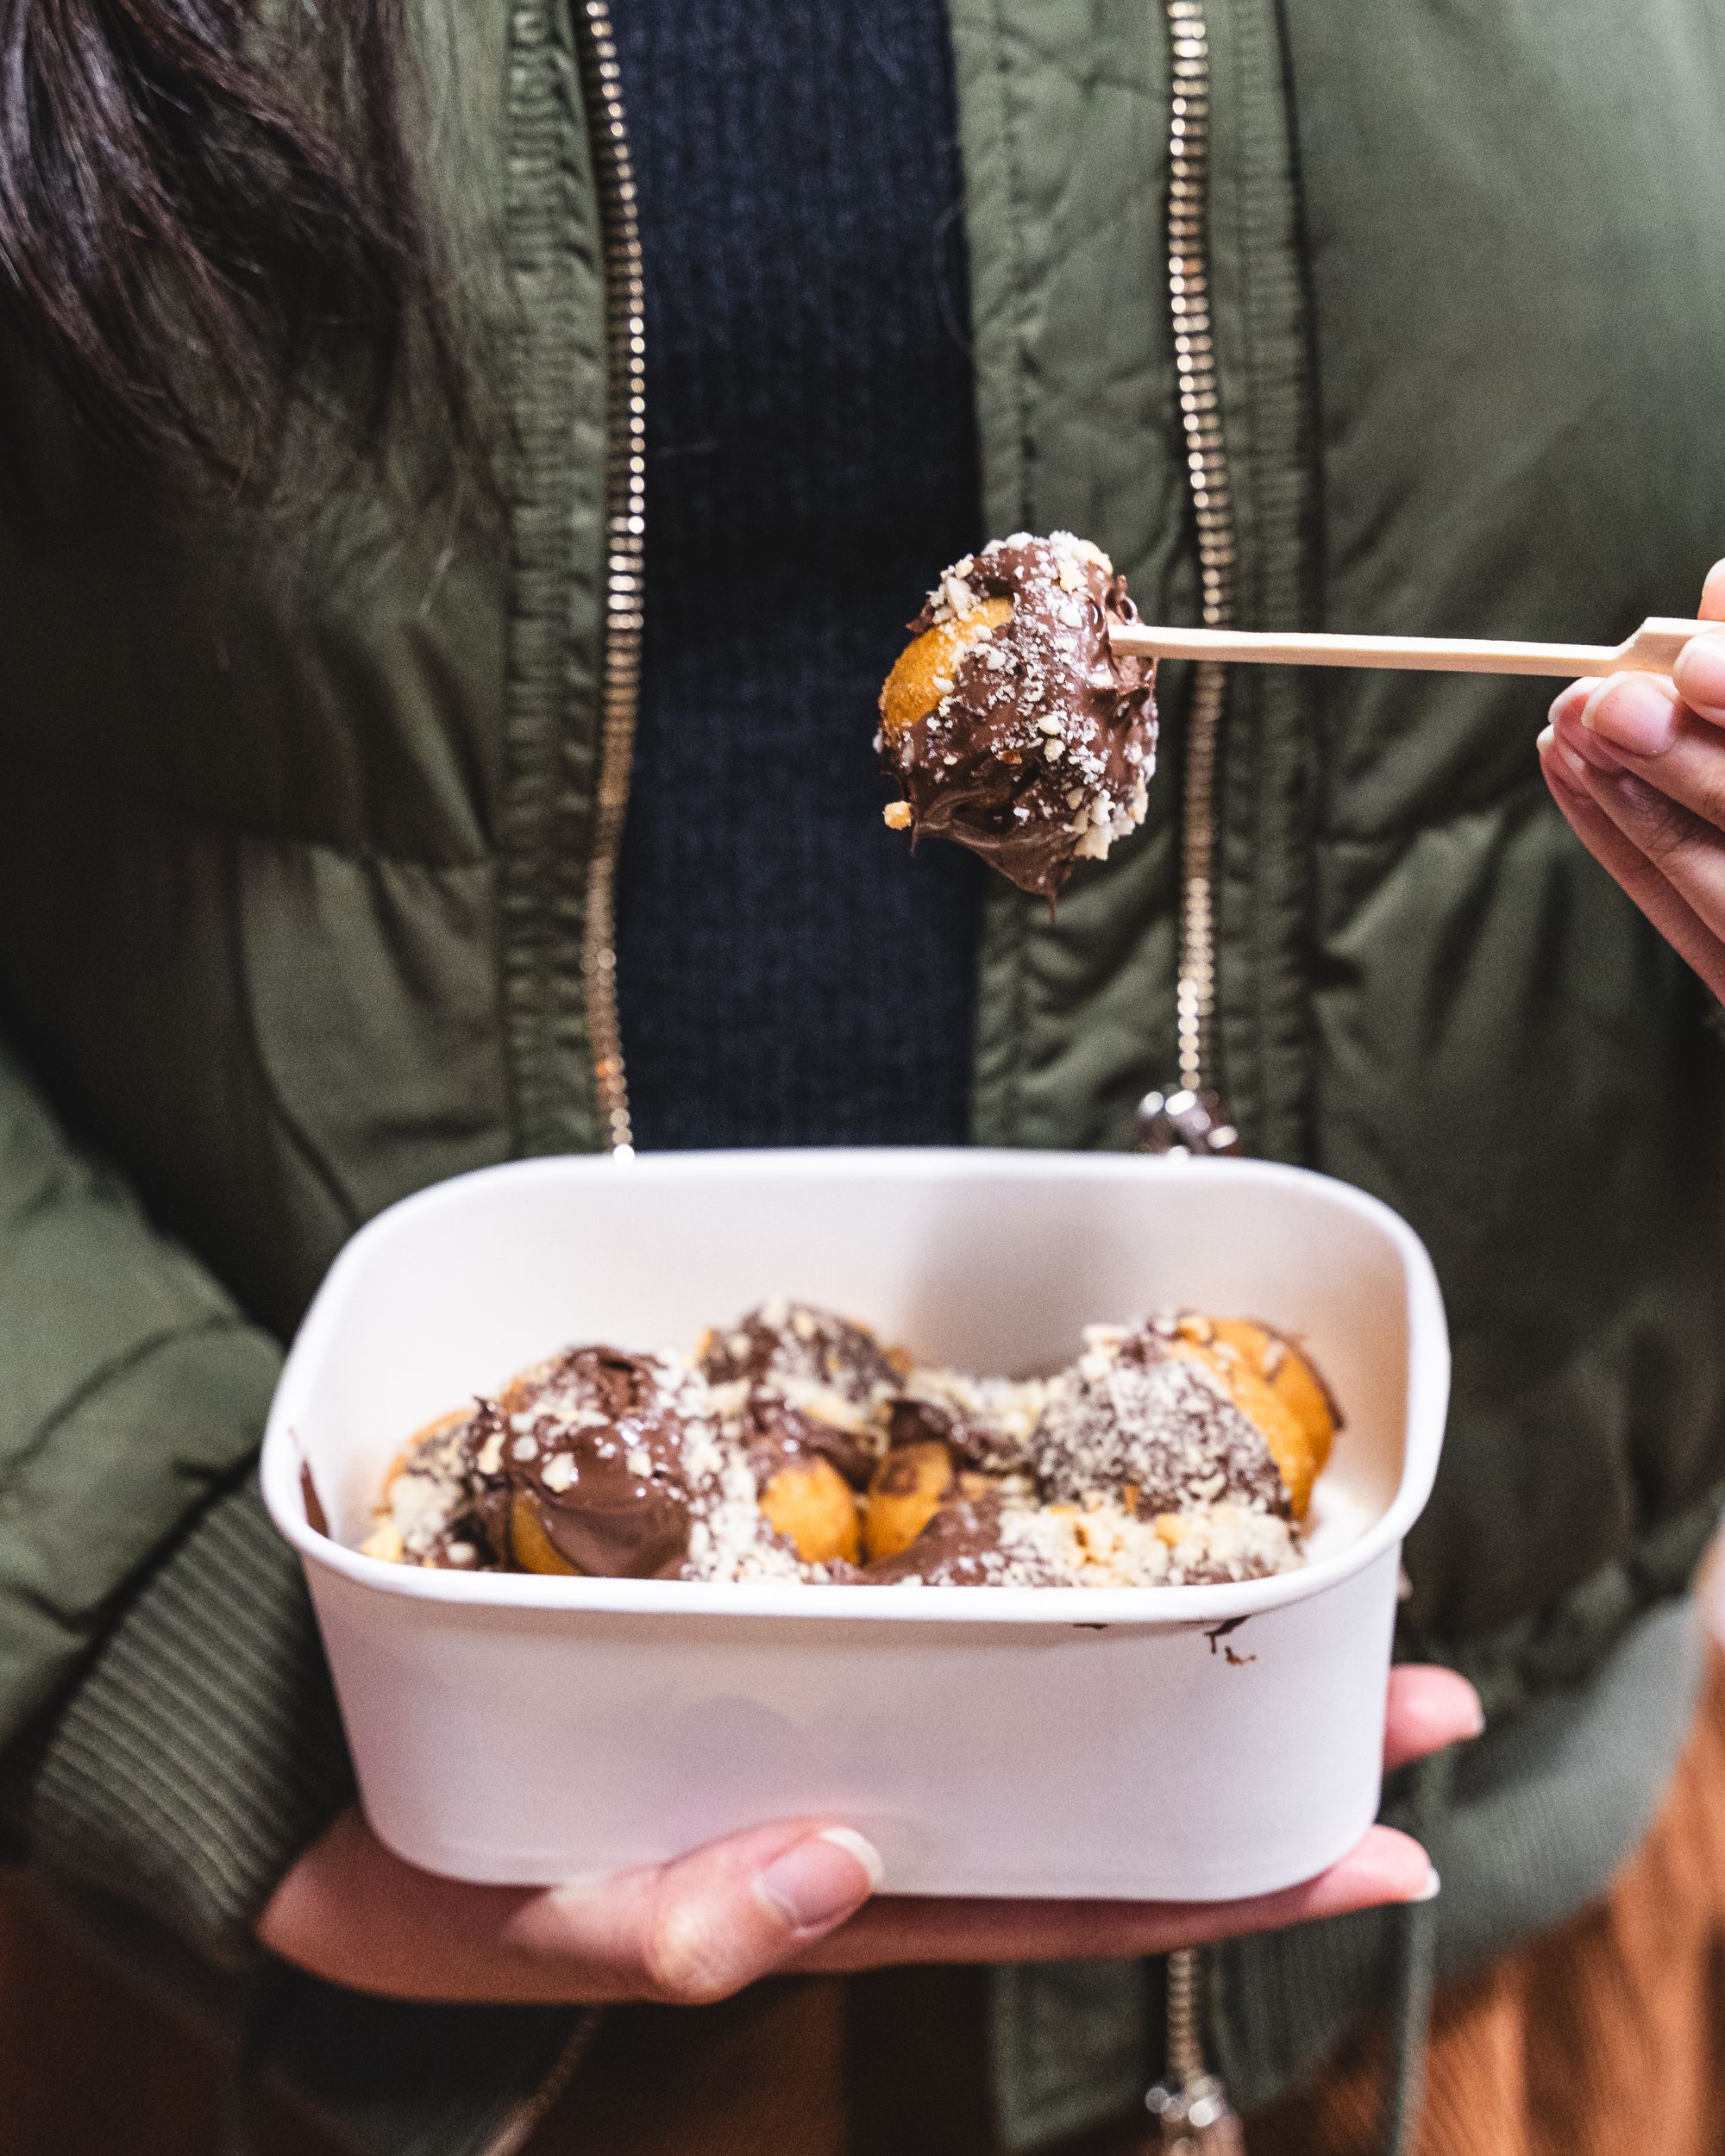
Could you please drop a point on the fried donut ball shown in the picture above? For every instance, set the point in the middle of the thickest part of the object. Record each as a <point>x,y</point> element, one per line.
<point>1008,721</point>
<point>909,1488</point>
<point>1142,1412</point>
<point>1269,1381</point>
<point>424,1516</point>
<point>812,1505</point>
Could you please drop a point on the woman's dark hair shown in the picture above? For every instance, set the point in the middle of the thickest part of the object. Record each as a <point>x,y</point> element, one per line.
<point>209,221</point>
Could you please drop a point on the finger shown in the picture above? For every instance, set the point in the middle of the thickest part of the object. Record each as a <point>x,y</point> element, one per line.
<point>1638,724</point>
<point>1635,714</point>
<point>1384,1867</point>
<point>1632,725</point>
<point>687,1932</point>
<point>1569,779</point>
<point>726,1914</point>
<point>1700,670</point>
<point>1699,673</point>
<point>1686,850</point>
<point>1426,1709</point>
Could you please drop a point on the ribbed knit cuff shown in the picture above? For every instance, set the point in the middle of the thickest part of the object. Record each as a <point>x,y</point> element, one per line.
<point>202,1750</point>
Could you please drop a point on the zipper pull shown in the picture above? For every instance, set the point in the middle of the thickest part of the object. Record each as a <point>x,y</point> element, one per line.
<point>1195,2121</point>
<point>1186,1121</point>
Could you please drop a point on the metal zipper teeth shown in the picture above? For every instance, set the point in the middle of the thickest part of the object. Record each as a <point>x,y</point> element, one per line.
<point>1185,2048</point>
<point>1194,360</point>
<point>525,2118</point>
<point>626,533</point>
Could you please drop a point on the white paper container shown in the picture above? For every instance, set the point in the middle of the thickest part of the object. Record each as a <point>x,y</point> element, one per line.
<point>989,1741</point>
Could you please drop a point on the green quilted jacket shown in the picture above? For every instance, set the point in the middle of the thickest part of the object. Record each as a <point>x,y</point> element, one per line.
<point>305,836</point>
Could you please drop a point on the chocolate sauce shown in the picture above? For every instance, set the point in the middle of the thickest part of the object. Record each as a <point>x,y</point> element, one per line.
<point>979,1442</point>
<point>952,1550</point>
<point>775,1433</point>
<point>961,1547</point>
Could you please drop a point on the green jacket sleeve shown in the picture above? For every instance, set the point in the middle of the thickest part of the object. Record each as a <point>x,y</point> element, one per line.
<point>165,1720</point>
<point>168,1737</point>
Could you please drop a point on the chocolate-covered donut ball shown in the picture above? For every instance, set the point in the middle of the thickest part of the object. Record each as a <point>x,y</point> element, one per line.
<point>1141,1414</point>
<point>987,1421</point>
<point>1268,1379</point>
<point>1008,721</point>
<point>795,1344</point>
<point>579,1465</point>
<point>1176,1451</point>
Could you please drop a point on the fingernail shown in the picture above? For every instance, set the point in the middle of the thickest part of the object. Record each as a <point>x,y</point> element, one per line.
<point>1700,672</point>
<point>817,1882</point>
<point>1633,713</point>
<point>1433,1888</point>
<point>1576,694</point>
<point>860,1847</point>
<point>1572,764</point>
<point>1475,1727</point>
<point>1576,741</point>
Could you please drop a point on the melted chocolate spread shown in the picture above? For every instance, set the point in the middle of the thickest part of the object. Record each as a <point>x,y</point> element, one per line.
<point>977,1443</point>
<point>1040,751</point>
<point>952,1550</point>
<point>776,1434</point>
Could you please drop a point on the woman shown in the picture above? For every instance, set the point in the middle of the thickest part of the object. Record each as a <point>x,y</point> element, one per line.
<point>354,837</point>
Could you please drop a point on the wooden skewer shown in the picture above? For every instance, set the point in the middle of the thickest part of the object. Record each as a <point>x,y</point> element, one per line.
<point>1652,649</point>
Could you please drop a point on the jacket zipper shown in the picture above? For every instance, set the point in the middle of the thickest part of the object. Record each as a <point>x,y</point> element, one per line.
<point>1194,355</point>
<point>523,2120</point>
<point>1191,1117</point>
<point>1189,2106</point>
<point>625,489</point>
<point>626,533</point>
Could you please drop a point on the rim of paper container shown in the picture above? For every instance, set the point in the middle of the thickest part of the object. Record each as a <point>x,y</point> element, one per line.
<point>1084,1607</point>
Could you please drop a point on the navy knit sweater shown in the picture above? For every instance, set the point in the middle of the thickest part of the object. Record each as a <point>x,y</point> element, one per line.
<point>788,974</point>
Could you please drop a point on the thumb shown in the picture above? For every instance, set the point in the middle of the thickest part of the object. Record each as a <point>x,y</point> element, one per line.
<point>718,1918</point>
